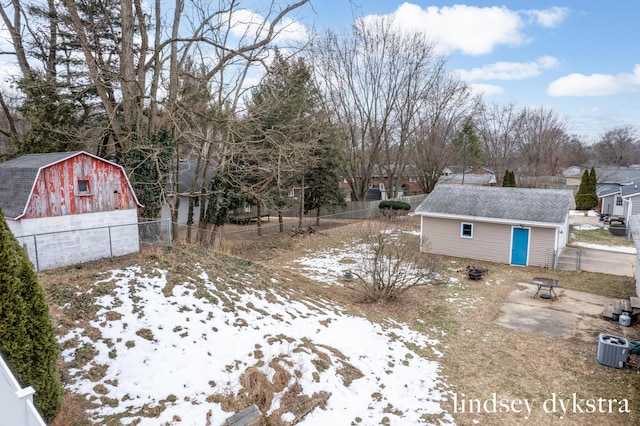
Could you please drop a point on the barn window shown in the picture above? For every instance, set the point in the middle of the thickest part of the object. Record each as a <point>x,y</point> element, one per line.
<point>83,186</point>
<point>466,230</point>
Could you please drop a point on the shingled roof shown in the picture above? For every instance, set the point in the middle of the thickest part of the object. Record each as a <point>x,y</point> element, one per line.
<point>18,176</point>
<point>508,204</point>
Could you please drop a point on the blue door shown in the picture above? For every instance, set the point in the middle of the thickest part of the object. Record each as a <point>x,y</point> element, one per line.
<point>519,246</point>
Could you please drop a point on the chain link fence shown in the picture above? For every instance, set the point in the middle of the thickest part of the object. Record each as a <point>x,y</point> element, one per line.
<point>52,250</point>
<point>64,248</point>
<point>291,225</point>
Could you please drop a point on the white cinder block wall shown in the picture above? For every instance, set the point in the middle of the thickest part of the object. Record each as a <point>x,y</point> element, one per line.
<point>71,239</point>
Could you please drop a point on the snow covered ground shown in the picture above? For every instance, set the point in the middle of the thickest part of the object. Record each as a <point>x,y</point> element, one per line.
<point>180,353</point>
<point>193,352</point>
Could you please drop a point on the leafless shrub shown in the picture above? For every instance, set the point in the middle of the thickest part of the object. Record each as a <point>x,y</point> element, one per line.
<point>389,262</point>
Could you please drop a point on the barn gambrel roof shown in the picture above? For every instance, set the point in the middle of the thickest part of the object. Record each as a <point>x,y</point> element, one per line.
<point>524,205</point>
<point>18,177</point>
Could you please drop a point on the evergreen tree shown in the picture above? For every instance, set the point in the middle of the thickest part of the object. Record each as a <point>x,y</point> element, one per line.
<point>593,187</point>
<point>291,138</point>
<point>509,179</point>
<point>468,145</point>
<point>586,198</point>
<point>323,179</point>
<point>53,126</point>
<point>593,181</point>
<point>27,339</point>
<point>505,178</point>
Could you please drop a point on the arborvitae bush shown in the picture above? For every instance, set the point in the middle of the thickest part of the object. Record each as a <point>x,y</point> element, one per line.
<point>392,208</point>
<point>27,337</point>
<point>509,179</point>
<point>394,205</point>
<point>586,198</point>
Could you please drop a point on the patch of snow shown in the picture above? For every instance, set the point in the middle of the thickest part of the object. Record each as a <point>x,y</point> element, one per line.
<point>617,249</point>
<point>591,213</point>
<point>178,344</point>
<point>586,227</point>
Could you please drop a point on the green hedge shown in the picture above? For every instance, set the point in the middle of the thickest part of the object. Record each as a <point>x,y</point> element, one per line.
<point>394,205</point>
<point>27,336</point>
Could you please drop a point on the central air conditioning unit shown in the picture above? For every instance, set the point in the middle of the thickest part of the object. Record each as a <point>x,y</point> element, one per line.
<point>613,351</point>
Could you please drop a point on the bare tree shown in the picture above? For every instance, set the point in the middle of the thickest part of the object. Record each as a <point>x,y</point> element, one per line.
<point>540,135</point>
<point>577,153</point>
<point>497,128</point>
<point>618,146</point>
<point>375,79</point>
<point>390,263</point>
<point>449,103</point>
<point>147,75</point>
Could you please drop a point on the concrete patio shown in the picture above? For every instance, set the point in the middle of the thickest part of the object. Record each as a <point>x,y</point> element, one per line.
<point>572,314</point>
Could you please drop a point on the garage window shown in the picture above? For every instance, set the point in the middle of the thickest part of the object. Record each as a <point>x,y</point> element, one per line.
<point>466,230</point>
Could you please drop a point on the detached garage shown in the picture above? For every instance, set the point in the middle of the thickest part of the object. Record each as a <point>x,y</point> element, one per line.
<point>517,226</point>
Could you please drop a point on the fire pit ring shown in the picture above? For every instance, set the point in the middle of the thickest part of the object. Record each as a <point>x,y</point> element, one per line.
<point>475,273</point>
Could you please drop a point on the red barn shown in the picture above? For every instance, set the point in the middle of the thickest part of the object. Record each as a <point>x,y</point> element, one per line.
<point>71,202</point>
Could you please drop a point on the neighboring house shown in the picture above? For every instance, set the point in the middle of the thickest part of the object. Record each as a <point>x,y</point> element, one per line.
<point>190,186</point>
<point>622,201</point>
<point>518,226</point>
<point>193,182</point>
<point>404,185</point>
<point>617,189</point>
<point>480,176</point>
<point>573,176</point>
<point>47,198</point>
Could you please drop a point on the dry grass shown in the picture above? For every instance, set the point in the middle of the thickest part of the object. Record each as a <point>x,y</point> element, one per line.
<point>480,357</point>
<point>599,236</point>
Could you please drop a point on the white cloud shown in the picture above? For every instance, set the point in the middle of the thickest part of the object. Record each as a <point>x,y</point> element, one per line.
<point>551,17</point>
<point>577,84</point>
<point>247,23</point>
<point>469,29</point>
<point>292,30</point>
<point>486,89</point>
<point>509,70</point>
<point>472,30</point>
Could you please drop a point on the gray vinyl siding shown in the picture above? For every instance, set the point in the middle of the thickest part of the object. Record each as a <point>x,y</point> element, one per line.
<point>542,247</point>
<point>635,205</point>
<point>491,241</point>
<point>608,204</point>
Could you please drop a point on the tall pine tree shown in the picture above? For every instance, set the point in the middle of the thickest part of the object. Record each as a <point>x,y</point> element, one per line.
<point>509,179</point>
<point>293,133</point>
<point>27,339</point>
<point>586,198</point>
<point>468,145</point>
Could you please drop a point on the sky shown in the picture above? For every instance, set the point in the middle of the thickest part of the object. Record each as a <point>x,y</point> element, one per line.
<point>579,57</point>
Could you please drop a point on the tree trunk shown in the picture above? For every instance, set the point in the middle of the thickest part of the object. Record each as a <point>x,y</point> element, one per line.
<point>259,211</point>
<point>301,211</point>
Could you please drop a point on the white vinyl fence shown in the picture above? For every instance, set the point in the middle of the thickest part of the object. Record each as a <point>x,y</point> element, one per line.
<point>16,404</point>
